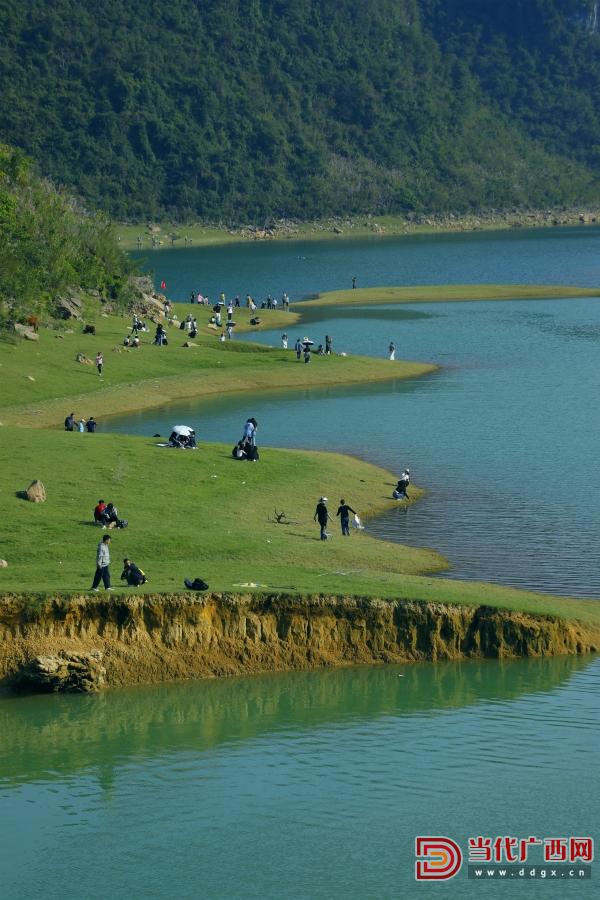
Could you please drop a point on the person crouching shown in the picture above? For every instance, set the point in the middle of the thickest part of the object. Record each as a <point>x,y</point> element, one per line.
<point>132,574</point>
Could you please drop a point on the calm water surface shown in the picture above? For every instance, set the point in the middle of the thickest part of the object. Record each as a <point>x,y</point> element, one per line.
<point>303,785</point>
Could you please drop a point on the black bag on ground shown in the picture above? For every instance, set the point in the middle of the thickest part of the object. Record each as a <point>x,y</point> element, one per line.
<point>122,523</point>
<point>196,585</point>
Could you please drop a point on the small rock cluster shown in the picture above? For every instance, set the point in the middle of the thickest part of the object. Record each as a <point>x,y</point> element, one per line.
<point>65,673</point>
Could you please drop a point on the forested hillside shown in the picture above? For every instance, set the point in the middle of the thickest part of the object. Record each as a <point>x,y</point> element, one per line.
<point>241,109</point>
<point>50,247</point>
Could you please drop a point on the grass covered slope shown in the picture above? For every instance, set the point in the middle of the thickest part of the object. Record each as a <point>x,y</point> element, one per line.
<point>204,514</point>
<point>193,513</point>
<point>444,293</point>
<point>41,379</point>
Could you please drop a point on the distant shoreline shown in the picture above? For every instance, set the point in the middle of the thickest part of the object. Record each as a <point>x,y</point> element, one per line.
<point>171,235</point>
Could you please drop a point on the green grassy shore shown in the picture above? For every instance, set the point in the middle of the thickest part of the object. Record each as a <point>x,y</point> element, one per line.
<point>202,513</point>
<point>344,228</point>
<point>42,381</point>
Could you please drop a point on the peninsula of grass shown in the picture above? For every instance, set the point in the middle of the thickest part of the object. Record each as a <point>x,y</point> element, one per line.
<point>205,514</point>
<point>42,381</point>
<point>444,293</point>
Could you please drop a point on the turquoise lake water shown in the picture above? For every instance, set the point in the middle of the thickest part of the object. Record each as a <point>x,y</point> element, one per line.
<point>504,436</point>
<point>315,784</point>
<point>293,786</point>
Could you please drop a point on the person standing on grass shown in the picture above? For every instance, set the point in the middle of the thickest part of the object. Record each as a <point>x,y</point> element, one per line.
<point>91,424</point>
<point>99,363</point>
<point>284,341</point>
<point>70,422</point>
<point>102,564</point>
<point>328,344</point>
<point>298,348</point>
<point>392,351</point>
<point>322,517</point>
<point>344,513</point>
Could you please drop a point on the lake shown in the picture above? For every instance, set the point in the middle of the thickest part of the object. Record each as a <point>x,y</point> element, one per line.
<point>293,786</point>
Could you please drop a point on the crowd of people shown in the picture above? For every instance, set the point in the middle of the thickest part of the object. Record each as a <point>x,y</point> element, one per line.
<point>106,514</point>
<point>80,425</point>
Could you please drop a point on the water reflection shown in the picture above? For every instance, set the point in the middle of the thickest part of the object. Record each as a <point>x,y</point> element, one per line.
<point>48,737</point>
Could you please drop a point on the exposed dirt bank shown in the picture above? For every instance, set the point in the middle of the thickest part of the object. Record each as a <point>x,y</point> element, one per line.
<point>162,638</point>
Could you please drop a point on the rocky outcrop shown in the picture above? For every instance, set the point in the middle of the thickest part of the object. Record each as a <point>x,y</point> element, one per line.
<point>69,306</point>
<point>26,331</point>
<point>65,673</point>
<point>166,637</point>
<point>36,492</point>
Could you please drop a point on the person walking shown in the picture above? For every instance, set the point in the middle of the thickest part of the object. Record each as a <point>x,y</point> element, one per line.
<point>322,517</point>
<point>298,348</point>
<point>70,422</point>
<point>328,344</point>
<point>344,513</point>
<point>81,426</point>
<point>354,282</point>
<point>99,363</point>
<point>91,424</point>
<point>392,350</point>
<point>102,564</point>
<point>284,341</point>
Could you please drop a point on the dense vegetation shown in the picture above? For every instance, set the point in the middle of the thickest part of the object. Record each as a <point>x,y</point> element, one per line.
<point>240,109</point>
<point>51,246</point>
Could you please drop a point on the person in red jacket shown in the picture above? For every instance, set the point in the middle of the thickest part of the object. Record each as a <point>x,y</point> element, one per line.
<point>99,512</point>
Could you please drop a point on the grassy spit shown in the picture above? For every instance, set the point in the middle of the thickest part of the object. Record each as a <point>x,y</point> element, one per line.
<point>444,293</point>
<point>42,382</point>
<point>194,513</point>
<point>204,514</point>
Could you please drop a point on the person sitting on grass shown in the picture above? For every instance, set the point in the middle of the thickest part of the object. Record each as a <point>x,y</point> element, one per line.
<point>110,517</point>
<point>99,513</point>
<point>132,574</point>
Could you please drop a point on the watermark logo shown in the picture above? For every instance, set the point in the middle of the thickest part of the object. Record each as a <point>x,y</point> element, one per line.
<point>441,858</point>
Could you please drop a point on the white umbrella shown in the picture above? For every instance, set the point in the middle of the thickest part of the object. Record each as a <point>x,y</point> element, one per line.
<point>182,429</point>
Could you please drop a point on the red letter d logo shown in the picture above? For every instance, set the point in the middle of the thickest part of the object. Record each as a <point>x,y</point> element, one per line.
<point>443,858</point>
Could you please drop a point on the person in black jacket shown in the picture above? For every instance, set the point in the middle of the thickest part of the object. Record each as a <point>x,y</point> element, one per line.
<point>132,574</point>
<point>344,513</point>
<point>322,516</point>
